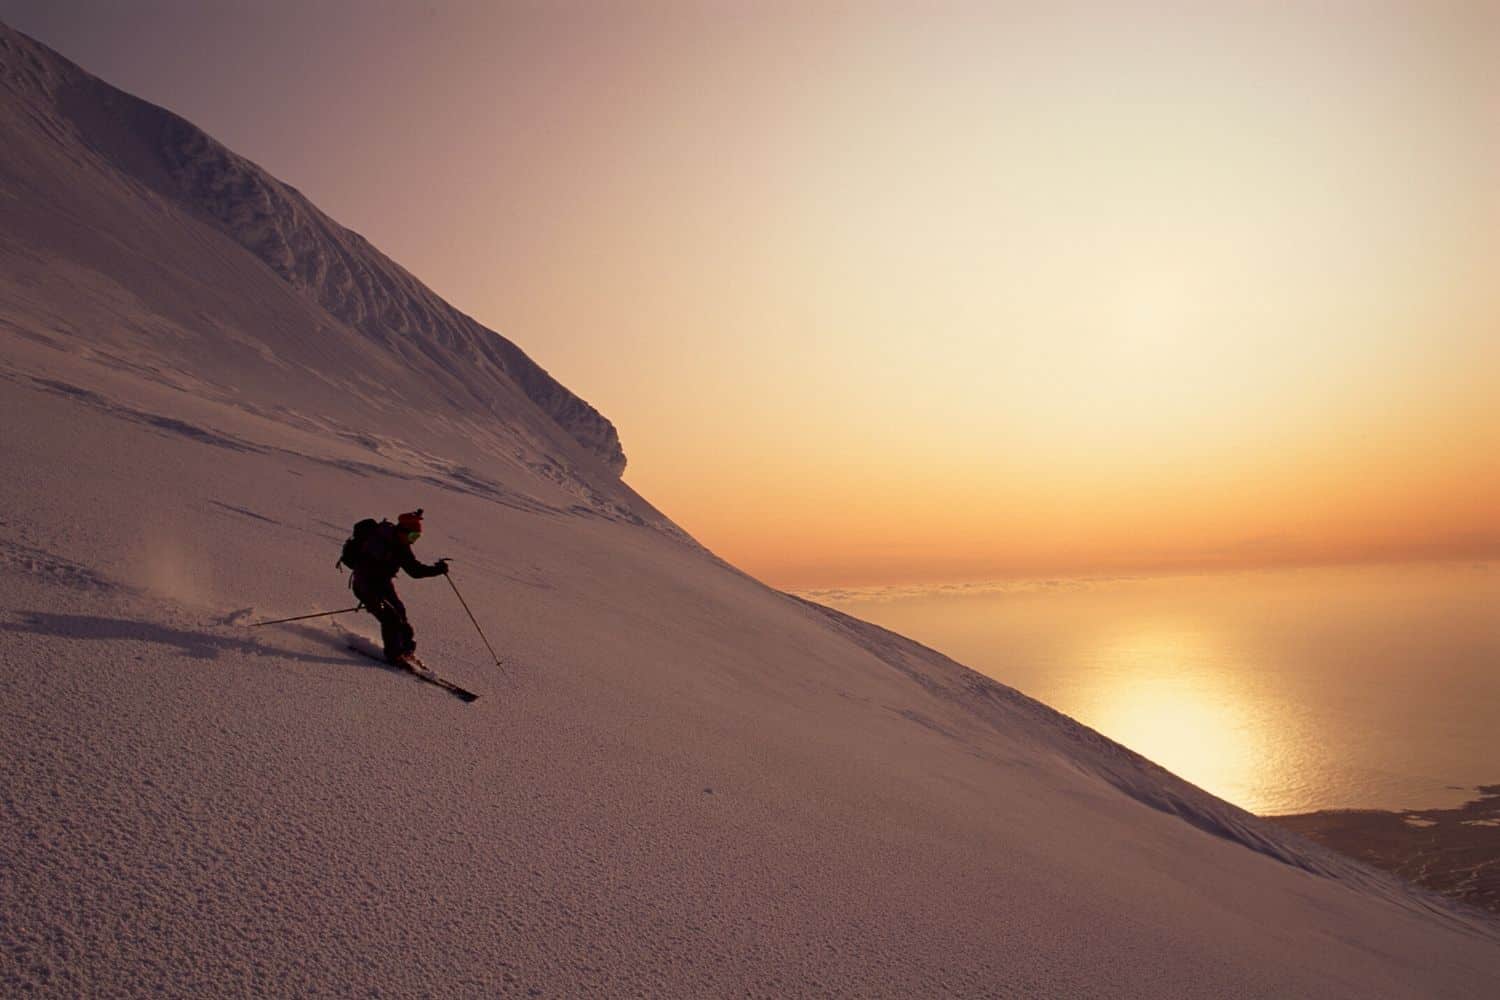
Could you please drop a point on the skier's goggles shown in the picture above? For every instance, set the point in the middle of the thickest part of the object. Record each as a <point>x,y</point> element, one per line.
<point>412,536</point>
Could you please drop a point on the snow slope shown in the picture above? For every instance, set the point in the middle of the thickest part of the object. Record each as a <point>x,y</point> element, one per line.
<point>681,783</point>
<point>135,242</point>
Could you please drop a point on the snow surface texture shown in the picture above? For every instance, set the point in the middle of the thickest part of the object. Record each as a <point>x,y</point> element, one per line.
<point>681,783</point>
<point>188,204</point>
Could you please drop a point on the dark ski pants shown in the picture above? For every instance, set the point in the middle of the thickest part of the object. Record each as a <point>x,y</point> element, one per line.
<point>379,598</point>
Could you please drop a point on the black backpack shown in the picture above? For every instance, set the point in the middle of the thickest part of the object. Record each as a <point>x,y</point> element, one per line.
<point>356,550</point>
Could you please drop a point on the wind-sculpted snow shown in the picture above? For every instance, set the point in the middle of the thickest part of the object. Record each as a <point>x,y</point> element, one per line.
<point>358,284</point>
<point>336,268</point>
<point>679,784</point>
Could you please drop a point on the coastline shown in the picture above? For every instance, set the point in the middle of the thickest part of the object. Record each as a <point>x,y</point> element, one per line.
<point>1454,852</point>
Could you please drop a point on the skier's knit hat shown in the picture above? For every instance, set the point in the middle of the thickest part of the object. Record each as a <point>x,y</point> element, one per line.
<point>410,522</point>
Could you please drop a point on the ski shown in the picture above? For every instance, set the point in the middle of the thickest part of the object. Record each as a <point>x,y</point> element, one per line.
<point>420,672</point>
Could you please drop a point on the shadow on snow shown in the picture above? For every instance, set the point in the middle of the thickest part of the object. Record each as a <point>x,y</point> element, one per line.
<point>198,645</point>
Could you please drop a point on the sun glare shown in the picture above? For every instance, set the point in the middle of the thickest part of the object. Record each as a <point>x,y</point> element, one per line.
<point>1153,313</point>
<point>1156,690</point>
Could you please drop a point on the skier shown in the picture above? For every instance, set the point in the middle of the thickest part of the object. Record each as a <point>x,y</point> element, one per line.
<point>374,554</point>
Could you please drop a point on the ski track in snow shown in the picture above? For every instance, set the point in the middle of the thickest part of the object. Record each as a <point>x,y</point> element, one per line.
<point>689,785</point>
<point>681,784</point>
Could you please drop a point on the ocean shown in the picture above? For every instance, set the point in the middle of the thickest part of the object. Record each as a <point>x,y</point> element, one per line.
<point>1281,691</point>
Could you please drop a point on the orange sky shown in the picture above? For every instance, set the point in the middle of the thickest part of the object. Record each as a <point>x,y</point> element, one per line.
<point>915,292</point>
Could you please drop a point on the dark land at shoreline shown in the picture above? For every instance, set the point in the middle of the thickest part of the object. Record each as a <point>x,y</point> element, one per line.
<point>1455,852</point>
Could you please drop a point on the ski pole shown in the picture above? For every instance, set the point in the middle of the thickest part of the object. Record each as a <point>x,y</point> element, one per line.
<point>465,603</point>
<point>298,618</point>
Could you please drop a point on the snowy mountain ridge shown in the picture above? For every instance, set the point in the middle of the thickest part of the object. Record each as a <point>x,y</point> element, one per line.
<point>97,126</point>
<point>679,783</point>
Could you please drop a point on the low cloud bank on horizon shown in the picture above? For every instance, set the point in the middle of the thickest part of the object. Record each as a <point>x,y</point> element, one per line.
<point>888,593</point>
<point>981,588</point>
<point>917,294</point>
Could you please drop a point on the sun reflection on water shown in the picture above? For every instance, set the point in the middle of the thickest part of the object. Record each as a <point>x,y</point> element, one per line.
<point>1159,692</point>
<point>1281,691</point>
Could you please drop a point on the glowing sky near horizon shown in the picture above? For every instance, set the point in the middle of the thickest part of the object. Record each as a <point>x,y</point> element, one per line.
<point>889,293</point>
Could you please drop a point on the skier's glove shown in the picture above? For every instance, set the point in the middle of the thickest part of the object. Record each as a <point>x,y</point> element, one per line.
<point>442,566</point>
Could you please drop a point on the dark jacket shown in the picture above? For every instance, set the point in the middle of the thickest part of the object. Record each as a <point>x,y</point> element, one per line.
<point>384,551</point>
